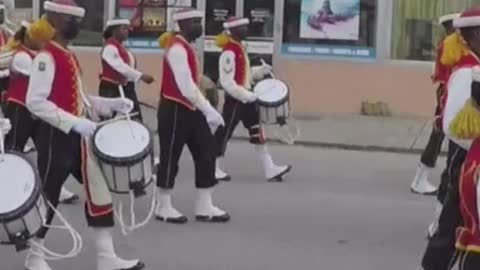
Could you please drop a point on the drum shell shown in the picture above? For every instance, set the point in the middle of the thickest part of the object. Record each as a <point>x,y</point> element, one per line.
<point>115,175</point>
<point>272,115</point>
<point>29,224</point>
<point>132,168</point>
<point>27,218</point>
<point>275,113</point>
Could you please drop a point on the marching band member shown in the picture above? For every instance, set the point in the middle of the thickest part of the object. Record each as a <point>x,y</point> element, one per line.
<point>56,96</point>
<point>466,125</point>
<point>185,117</point>
<point>430,154</point>
<point>25,45</point>
<point>236,77</point>
<point>118,64</point>
<point>462,50</point>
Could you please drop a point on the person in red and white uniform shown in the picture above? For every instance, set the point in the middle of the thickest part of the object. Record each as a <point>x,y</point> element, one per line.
<point>428,159</point>
<point>56,96</point>
<point>119,65</point>
<point>185,117</point>
<point>463,49</point>
<point>23,122</point>
<point>236,77</point>
<point>4,32</point>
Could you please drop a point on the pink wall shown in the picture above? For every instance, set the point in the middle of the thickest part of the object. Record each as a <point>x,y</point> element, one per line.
<point>319,87</point>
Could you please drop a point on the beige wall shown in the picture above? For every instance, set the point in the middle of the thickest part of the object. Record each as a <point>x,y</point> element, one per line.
<point>319,87</point>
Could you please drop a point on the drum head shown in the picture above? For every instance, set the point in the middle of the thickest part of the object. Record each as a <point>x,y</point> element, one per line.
<point>271,92</point>
<point>19,187</point>
<point>122,141</point>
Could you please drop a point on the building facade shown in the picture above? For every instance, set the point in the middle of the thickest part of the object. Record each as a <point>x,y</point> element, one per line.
<point>333,54</point>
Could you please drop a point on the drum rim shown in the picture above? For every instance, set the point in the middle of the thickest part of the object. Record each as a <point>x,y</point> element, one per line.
<point>30,203</point>
<point>276,103</point>
<point>115,161</point>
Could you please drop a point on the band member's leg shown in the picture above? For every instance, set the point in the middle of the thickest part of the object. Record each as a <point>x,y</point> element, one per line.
<point>441,247</point>
<point>429,157</point>
<point>469,261</point>
<point>201,144</point>
<point>108,90</point>
<point>4,82</point>
<point>223,134</point>
<point>251,121</point>
<point>54,163</point>
<point>453,151</point>
<point>100,219</point>
<point>173,123</point>
<point>22,126</point>
<point>131,94</point>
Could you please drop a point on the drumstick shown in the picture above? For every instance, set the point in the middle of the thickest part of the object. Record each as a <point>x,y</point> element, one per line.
<point>116,119</point>
<point>265,64</point>
<point>122,95</point>
<point>2,147</point>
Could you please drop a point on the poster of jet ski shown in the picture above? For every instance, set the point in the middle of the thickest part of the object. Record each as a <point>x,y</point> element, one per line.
<point>330,19</point>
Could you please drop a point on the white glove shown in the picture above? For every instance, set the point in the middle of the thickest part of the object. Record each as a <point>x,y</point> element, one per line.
<point>5,126</point>
<point>250,97</point>
<point>106,106</point>
<point>121,105</point>
<point>214,119</point>
<point>85,127</point>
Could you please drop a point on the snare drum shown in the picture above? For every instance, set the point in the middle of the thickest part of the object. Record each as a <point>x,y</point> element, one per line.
<point>273,101</point>
<point>22,205</point>
<point>124,150</point>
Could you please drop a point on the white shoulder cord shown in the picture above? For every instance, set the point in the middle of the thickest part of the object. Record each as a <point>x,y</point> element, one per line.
<point>126,229</point>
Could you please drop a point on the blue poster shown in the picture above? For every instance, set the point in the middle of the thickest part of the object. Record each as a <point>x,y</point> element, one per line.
<point>330,19</point>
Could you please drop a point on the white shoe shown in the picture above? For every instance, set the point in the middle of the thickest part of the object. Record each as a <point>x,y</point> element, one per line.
<point>106,257</point>
<point>420,184</point>
<point>165,211</point>
<point>35,256</point>
<point>67,197</point>
<point>272,171</point>
<point>205,211</point>
<point>220,175</point>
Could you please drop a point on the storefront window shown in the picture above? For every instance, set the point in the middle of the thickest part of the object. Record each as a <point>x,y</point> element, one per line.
<point>150,18</point>
<point>416,31</point>
<point>16,11</point>
<point>217,12</point>
<point>92,25</point>
<point>261,15</point>
<point>330,28</point>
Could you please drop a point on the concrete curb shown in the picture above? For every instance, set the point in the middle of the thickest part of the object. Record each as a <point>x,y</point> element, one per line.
<point>350,147</point>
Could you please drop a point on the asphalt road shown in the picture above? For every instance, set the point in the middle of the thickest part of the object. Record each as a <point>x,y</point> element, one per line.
<point>337,210</point>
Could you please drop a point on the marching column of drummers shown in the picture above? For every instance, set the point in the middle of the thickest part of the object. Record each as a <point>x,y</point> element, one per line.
<point>101,140</point>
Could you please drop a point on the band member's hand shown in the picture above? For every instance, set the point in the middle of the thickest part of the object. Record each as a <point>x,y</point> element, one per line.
<point>5,126</point>
<point>121,105</point>
<point>214,120</point>
<point>147,79</point>
<point>251,97</point>
<point>85,127</point>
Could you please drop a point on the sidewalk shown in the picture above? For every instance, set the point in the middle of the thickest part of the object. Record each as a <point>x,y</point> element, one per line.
<point>355,132</point>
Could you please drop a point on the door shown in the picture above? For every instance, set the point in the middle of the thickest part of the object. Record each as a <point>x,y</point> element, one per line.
<point>260,40</point>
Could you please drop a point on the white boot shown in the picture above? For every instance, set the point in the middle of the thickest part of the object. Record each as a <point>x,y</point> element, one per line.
<point>107,259</point>
<point>165,211</point>
<point>420,184</point>
<point>272,171</point>
<point>35,256</point>
<point>220,175</point>
<point>205,210</point>
<point>67,197</point>
<point>432,229</point>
